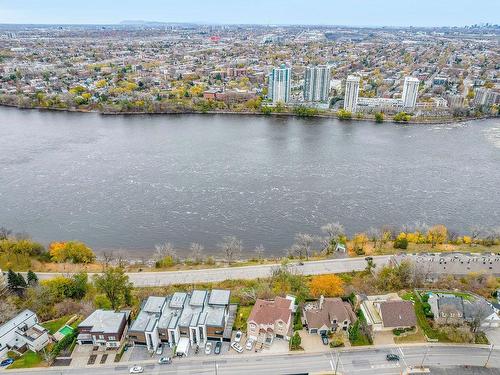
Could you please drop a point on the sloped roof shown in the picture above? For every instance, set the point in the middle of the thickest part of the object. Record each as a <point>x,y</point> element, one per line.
<point>332,309</point>
<point>398,314</point>
<point>267,312</point>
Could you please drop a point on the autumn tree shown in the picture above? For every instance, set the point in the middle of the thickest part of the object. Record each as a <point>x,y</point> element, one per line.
<point>359,241</point>
<point>302,245</point>
<point>437,234</point>
<point>72,251</point>
<point>326,285</point>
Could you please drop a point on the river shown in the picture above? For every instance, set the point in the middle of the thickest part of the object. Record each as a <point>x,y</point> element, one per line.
<point>130,182</point>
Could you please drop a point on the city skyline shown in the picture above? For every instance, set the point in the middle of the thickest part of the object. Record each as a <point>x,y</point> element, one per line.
<point>425,13</point>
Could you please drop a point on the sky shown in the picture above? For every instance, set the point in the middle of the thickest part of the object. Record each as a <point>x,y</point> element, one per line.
<point>314,12</point>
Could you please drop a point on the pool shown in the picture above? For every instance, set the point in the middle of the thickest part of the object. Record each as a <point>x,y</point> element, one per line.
<point>66,330</point>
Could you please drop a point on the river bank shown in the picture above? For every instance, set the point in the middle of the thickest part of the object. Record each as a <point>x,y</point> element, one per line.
<point>332,115</point>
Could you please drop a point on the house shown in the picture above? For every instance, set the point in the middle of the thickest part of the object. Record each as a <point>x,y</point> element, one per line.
<point>199,316</point>
<point>23,333</point>
<point>103,328</point>
<point>328,315</point>
<point>389,311</point>
<point>270,319</point>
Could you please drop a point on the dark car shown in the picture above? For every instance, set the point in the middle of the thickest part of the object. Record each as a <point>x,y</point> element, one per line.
<point>392,357</point>
<point>6,362</point>
<point>218,347</point>
<point>324,338</point>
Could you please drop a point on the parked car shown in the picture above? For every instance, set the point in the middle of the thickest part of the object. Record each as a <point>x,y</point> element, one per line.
<point>324,338</point>
<point>218,347</point>
<point>6,362</point>
<point>237,347</point>
<point>237,337</point>
<point>136,370</point>
<point>249,344</point>
<point>165,361</point>
<point>208,348</point>
<point>159,350</point>
<point>392,357</point>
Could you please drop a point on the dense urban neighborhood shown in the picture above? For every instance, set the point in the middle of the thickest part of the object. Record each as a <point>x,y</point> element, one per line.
<point>400,74</point>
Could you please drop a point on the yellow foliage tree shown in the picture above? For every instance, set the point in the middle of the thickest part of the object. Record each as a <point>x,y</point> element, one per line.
<point>73,251</point>
<point>437,234</point>
<point>326,285</point>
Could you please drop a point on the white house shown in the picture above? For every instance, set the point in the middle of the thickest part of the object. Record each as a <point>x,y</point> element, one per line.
<point>23,331</point>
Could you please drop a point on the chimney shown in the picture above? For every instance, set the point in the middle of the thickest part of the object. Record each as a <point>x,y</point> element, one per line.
<point>321,300</point>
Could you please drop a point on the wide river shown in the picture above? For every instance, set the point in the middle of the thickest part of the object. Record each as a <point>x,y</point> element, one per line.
<point>118,182</point>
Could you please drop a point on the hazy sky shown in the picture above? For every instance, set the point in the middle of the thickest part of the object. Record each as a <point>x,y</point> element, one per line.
<point>331,12</point>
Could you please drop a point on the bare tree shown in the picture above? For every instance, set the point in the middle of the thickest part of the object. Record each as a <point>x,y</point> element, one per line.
<point>259,251</point>
<point>164,250</point>
<point>4,233</point>
<point>302,245</point>
<point>477,312</point>
<point>374,234</point>
<point>107,257</point>
<point>334,232</point>
<point>7,310</point>
<point>232,247</point>
<point>475,233</point>
<point>196,252</point>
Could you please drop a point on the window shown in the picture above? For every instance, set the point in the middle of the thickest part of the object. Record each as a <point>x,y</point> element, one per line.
<point>112,338</point>
<point>101,337</point>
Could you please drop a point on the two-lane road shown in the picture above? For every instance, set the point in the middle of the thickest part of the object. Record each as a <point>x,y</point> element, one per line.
<point>142,279</point>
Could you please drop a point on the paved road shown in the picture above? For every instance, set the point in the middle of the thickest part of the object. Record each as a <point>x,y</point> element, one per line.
<point>234,273</point>
<point>350,361</point>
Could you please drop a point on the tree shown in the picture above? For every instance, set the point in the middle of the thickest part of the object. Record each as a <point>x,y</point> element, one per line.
<point>196,252</point>
<point>379,117</point>
<point>4,233</point>
<point>359,242</point>
<point>402,117</point>
<point>259,251</point>
<point>232,247</point>
<point>73,251</point>
<point>335,232</point>
<point>342,114</point>
<point>437,234</point>
<point>115,284</point>
<point>295,342</point>
<point>32,278</point>
<point>302,245</point>
<point>326,285</point>
<point>164,250</point>
<point>7,310</point>
<point>478,311</point>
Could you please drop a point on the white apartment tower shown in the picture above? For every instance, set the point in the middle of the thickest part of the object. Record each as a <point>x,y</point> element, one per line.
<point>279,84</point>
<point>410,92</point>
<point>351,94</point>
<point>317,83</point>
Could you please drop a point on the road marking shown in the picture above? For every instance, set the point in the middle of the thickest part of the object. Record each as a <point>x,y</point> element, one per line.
<point>393,365</point>
<point>331,364</point>
<point>403,356</point>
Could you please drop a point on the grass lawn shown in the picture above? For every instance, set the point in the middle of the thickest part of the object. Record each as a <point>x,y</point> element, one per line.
<point>27,360</point>
<point>241,317</point>
<point>54,325</point>
<point>423,323</point>
<point>410,338</point>
<point>356,336</point>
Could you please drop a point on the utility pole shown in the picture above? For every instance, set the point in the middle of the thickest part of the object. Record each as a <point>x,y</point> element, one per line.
<point>423,358</point>
<point>489,355</point>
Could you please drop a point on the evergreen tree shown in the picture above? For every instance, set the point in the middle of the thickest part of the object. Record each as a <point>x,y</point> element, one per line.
<point>12,282</point>
<point>32,278</point>
<point>21,282</point>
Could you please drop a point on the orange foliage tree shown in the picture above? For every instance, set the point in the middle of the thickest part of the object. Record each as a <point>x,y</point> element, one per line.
<point>326,285</point>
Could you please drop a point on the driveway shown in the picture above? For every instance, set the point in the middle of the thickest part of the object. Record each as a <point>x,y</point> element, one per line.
<point>383,338</point>
<point>312,342</point>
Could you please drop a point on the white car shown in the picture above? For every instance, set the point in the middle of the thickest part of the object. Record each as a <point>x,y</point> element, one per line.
<point>208,348</point>
<point>136,370</point>
<point>237,337</point>
<point>237,347</point>
<point>249,344</point>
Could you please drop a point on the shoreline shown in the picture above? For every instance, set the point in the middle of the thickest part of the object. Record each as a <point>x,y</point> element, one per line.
<point>437,121</point>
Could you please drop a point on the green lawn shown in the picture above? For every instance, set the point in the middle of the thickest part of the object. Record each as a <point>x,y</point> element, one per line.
<point>54,325</point>
<point>27,360</point>
<point>356,335</point>
<point>241,317</point>
<point>423,323</point>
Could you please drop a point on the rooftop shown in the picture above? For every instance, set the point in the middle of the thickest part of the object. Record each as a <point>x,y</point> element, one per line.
<point>104,321</point>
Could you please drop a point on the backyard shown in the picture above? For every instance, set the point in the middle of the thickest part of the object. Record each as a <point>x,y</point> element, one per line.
<point>241,317</point>
<point>27,360</point>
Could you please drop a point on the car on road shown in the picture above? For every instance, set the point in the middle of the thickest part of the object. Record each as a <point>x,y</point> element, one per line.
<point>237,347</point>
<point>324,339</point>
<point>249,344</point>
<point>6,362</point>
<point>218,347</point>
<point>165,361</point>
<point>136,369</point>
<point>208,348</point>
<point>392,357</point>
<point>159,350</point>
<point>237,337</point>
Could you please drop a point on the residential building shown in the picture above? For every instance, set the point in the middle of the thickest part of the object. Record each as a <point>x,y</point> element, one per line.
<point>351,93</point>
<point>328,315</point>
<point>270,319</point>
<point>410,92</point>
<point>199,316</point>
<point>484,96</point>
<point>386,312</point>
<point>23,332</point>
<point>279,84</point>
<point>103,328</point>
<point>316,83</point>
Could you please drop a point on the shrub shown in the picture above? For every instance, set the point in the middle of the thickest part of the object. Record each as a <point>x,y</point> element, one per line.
<point>295,342</point>
<point>401,243</point>
<point>379,117</point>
<point>402,117</point>
<point>342,114</point>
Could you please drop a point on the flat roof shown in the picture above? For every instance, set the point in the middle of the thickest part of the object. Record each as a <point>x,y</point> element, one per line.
<point>104,321</point>
<point>219,297</point>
